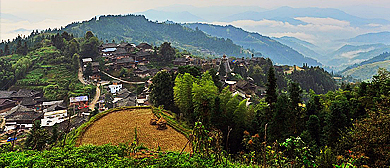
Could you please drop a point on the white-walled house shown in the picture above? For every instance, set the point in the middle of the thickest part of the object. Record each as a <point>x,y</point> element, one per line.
<point>54,117</point>
<point>115,88</point>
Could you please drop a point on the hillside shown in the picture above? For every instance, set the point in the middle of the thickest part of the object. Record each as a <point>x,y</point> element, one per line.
<point>369,38</point>
<point>350,54</point>
<point>279,53</point>
<point>366,71</point>
<point>305,48</point>
<point>137,29</point>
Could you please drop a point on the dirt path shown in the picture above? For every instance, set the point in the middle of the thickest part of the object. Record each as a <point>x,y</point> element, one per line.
<point>121,79</point>
<point>80,76</point>
<point>96,98</point>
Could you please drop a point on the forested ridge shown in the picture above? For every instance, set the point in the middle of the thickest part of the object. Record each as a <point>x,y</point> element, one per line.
<point>137,29</point>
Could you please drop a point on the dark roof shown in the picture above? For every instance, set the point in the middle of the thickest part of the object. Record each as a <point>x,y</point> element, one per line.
<point>25,93</point>
<point>55,107</point>
<point>124,45</point>
<point>109,45</point>
<point>125,60</point>
<point>142,54</point>
<point>129,101</point>
<point>24,115</point>
<point>95,64</point>
<point>120,51</point>
<point>28,101</point>
<point>144,46</point>
<point>4,102</point>
<point>6,94</point>
<point>142,68</point>
<point>180,60</point>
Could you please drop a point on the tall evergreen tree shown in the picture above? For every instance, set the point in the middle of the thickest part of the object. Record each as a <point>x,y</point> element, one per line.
<point>162,90</point>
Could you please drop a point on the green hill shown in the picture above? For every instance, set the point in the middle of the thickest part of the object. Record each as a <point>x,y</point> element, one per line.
<point>366,71</point>
<point>279,53</point>
<point>137,29</point>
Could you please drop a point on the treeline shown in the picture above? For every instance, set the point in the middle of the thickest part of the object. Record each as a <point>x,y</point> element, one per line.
<point>314,78</point>
<point>282,126</point>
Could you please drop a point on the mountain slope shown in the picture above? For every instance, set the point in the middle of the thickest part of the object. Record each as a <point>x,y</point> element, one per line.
<point>349,54</point>
<point>366,71</point>
<point>382,57</point>
<point>369,38</point>
<point>137,29</point>
<point>278,52</point>
<point>305,48</point>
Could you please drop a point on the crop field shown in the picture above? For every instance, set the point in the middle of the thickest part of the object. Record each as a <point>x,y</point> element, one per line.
<point>119,127</point>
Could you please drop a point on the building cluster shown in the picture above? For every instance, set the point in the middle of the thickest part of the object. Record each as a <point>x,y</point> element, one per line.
<point>20,109</point>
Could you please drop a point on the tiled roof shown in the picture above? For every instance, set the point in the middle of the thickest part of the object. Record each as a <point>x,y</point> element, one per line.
<point>6,94</point>
<point>24,93</point>
<point>24,115</point>
<point>125,60</point>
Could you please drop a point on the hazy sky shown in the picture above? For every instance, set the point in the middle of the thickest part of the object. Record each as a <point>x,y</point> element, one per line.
<point>22,16</point>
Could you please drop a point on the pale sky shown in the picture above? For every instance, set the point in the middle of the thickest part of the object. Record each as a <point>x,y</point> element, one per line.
<point>42,14</point>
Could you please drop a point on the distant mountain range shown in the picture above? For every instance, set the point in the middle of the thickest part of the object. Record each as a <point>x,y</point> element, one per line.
<point>370,38</point>
<point>267,46</point>
<point>287,14</point>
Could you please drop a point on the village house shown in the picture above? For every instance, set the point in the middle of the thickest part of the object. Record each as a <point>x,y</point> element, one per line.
<point>22,117</point>
<point>6,104</point>
<point>145,47</point>
<point>181,61</point>
<point>142,71</point>
<point>114,88</point>
<point>86,61</point>
<point>81,101</point>
<point>55,113</point>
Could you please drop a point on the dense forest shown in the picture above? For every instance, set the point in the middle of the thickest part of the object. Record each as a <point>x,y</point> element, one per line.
<point>337,128</point>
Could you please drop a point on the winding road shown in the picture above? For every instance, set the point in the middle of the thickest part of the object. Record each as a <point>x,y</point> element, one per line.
<point>96,98</point>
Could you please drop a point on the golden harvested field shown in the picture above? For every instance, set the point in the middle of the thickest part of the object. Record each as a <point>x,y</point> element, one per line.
<point>118,127</point>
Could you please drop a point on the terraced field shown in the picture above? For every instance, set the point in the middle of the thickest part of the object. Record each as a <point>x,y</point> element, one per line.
<point>118,127</point>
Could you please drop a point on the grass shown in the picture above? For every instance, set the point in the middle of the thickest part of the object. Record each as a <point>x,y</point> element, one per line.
<point>119,127</point>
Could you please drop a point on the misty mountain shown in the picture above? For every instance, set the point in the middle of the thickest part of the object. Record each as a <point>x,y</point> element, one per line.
<point>280,14</point>
<point>137,29</point>
<point>268,47</point>
<point>349,55</point>
<point>305,48</point>
<point>211,13</point>
<point>370,38</point>
<point>172,16</point>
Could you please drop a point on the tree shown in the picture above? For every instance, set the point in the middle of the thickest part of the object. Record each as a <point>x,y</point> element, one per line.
<point>314,128</point>
<point>193,70</point>
<point>89,48</point>
<point>37,137</point>
<point>25,48</point>
<point>72,48</point>
<point>203,98</point>
<point>19,48</point>
<point>182,94</point>
<point>88,70</point>
<point>89,35</point>
<point>167,52</point>
<point>76,61</point>
<point>6,49</point>
<point>162,90</point>
<point>295,99</point>
<point>271,96</point>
